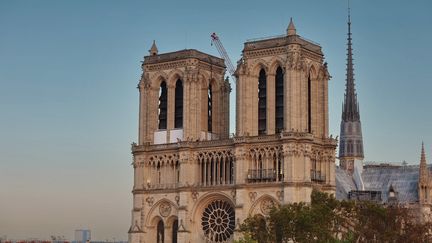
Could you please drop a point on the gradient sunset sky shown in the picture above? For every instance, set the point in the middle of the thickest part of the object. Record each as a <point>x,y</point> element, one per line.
<point>69,103</point>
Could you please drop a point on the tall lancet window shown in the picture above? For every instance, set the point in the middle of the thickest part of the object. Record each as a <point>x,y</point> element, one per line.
<point>262,102</point>
<point>174,231</point>
<point>279,88</point>
<point>309,87</point>
<point>210,109</point>
<point>163,106</point>
<point>160,232</point>
<point>178,113</point>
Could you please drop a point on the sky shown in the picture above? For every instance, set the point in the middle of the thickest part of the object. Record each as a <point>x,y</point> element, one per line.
<point>69,103</point>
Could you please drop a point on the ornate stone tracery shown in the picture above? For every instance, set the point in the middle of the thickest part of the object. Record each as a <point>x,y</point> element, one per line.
<point>266,205</point>
<point>218,221</point>
<point>215,167</point>
<point>165,209</point>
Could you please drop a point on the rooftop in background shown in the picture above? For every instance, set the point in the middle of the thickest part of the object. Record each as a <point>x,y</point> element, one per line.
<point>380,177</point>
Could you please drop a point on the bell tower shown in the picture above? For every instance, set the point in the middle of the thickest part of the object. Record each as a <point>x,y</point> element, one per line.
<point>282,86</point>
<point>183,96</point>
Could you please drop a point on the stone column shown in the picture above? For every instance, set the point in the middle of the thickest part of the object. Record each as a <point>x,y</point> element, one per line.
<point>240,165</point>
<point>293,90</point>
<point>288,162</point>
<point>252,105</point>
<point>143,134</point>
<point>170,108</point>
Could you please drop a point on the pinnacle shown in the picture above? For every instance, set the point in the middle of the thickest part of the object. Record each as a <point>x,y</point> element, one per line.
<point>291,28</point>
<point>153,50</point>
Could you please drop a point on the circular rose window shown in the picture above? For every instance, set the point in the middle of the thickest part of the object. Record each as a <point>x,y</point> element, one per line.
<point>218,221</point>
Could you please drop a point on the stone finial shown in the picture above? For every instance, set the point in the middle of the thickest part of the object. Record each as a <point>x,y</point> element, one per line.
<point>153,50</point>
<point>423,155</point>
<point>291,28</point>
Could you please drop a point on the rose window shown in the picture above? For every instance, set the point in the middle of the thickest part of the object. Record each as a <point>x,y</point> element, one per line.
<point>218,221</point>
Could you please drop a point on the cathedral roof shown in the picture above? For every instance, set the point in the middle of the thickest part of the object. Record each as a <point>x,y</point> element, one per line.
<point>280,41</point>
<point>403,180</point>
<point>184,54</point>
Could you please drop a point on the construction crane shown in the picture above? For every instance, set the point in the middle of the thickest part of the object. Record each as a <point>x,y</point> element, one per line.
<point>222,52</point>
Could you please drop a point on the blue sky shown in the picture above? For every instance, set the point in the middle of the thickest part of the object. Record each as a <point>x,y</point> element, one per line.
<point>69,103</point>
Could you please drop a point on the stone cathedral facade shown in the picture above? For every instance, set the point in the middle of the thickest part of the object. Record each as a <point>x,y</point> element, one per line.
<point>193,182</point>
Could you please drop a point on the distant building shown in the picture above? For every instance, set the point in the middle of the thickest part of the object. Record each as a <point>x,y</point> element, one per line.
<point>82,236</point>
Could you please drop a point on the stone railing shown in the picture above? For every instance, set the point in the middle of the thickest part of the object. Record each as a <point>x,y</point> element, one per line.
<point>162,186</point>
<point>316,176</point>
<point>291,135</point>
<point>261,175</point>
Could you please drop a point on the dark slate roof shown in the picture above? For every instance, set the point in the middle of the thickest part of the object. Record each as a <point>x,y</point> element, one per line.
<point>404,180</point>
<point>344,184</point>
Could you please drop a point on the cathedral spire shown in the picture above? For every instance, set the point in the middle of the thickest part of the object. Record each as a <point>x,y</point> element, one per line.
<point>351,139</point>
<point>350,111</point>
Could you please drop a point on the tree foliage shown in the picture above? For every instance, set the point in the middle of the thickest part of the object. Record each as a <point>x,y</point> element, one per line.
<point>326,219</point>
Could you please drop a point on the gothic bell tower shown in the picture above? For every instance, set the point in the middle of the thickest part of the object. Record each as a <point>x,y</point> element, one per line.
<point>183,96</point>
<point>351,139</point>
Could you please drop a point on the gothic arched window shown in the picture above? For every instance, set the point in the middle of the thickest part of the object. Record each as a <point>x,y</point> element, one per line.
<point>178,113</point>
<point>158,169</point>
<point>162,106</point>
<point>160,232</point>
<point>279,89</point>
<point>218,221</point>
<point>174,231</point>
<point>210,109</point>
<point>309,84</point>
<point>262,102</point>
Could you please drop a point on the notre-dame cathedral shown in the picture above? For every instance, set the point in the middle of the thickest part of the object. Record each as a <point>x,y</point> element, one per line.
<point>193,182</point>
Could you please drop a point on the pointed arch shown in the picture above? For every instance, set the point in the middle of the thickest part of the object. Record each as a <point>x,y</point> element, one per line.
<point>313,71</point>
<point>157,78</point>
<point>258,66</point>
<point>175,75</point>
<point>258,206</point>
<point>163,106</point>
<point>160,232</point>
<point>275,63</point>
<point>154,214</point>
<point>279,99</point>
<point>178,104</point>
<point>309,103</point>
<point>210,100</point>
<point>262,102</point>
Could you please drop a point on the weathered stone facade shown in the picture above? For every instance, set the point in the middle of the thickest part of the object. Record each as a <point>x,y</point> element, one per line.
<point>202,185</point>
